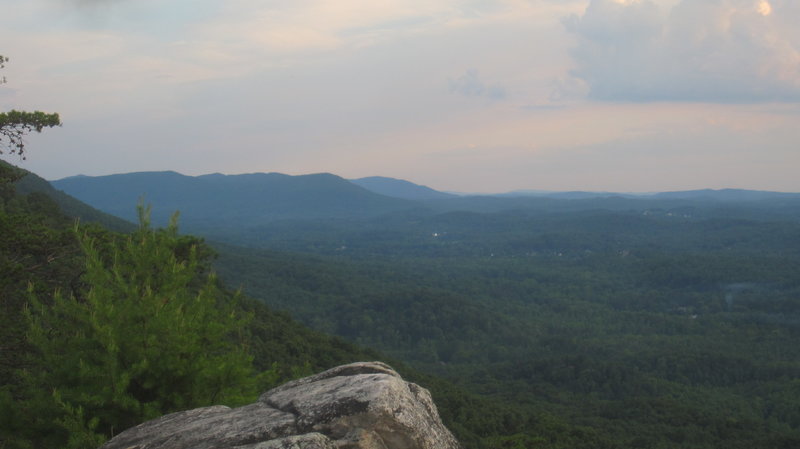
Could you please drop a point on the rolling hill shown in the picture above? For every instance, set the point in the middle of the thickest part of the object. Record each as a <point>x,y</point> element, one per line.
<point>399,188</point>
<point>71,207</point>
<point>607,321</point>
<point>216,200</point>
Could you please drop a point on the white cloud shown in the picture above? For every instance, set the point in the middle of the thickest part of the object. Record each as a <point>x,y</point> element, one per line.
<point>698,50</point>
<point>362,88</point>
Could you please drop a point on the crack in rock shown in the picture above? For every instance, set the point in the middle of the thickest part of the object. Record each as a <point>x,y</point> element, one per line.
<point>358,406</point>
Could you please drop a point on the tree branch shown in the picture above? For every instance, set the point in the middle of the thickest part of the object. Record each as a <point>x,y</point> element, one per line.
<point>14,125</point>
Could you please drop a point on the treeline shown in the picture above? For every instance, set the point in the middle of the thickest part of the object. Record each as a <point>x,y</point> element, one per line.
<point>601,329</point>
<point>100,330</point>
<point>509,233</point>
<point>592,329</point>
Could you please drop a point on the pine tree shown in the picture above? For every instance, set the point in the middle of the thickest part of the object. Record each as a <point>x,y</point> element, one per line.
<point>151,334</point>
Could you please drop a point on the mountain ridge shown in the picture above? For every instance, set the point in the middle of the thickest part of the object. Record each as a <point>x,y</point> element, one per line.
<point>400,188</point>
<point>404,189</point>
<point>31,183</point>
<point>216,204</point>
<point>207,200</point>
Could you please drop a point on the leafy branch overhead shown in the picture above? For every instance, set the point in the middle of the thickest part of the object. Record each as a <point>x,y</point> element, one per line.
<point>14,125</point>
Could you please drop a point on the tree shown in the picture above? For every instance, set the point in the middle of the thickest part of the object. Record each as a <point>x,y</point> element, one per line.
<point>14,125</point>
<point>150,334</point>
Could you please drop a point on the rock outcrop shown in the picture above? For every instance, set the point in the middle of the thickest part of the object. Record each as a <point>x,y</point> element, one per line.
<point>357,406</point>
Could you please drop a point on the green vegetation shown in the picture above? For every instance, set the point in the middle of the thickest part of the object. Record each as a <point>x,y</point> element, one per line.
<point>141,341</point>
<point>597,323</point>
<point>100,331</point>
<point>595,328</point>
<point>31,184</point>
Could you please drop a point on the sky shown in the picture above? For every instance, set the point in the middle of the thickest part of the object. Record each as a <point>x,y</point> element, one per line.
<point>458,95</point>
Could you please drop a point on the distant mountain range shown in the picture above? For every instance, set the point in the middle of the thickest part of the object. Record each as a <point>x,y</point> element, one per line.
<point>727,195</point>
<point>211,200</point>
<point>217,202</point>
<point>702,194</point>
<point>399,188</point>
<point>492,290</point>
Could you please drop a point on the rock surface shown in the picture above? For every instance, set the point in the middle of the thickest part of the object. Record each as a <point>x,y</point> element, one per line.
<point>356,406</point>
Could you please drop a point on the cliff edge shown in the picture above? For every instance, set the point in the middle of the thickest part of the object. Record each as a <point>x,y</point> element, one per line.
<point>356,406</point>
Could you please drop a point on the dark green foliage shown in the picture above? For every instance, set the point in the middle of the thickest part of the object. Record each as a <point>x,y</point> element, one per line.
<point>593,323</point>
<point>135,329</point>
<point>29,183</point>
<point>592,329</point>
<point>143,339</point>
<point>38,249</point>
<point>293,350</point>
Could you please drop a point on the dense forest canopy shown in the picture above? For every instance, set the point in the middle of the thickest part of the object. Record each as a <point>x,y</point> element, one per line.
<point>556,323</point>
<point>648,327</point>
<point>102,330</point>
<point>565,321</point>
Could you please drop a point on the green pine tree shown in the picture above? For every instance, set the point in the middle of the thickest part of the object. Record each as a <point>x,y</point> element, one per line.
<point>150,334</point>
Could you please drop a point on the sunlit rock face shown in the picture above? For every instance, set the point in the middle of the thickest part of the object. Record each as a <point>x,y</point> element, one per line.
<point>356,406</point>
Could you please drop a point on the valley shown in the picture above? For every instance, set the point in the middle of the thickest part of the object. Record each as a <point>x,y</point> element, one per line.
<point>603,321</point>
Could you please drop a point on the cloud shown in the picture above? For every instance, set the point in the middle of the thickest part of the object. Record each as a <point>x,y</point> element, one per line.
<point>470,84</point>
<point>726,51</point>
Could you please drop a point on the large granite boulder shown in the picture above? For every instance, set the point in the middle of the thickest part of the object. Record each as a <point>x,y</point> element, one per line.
<point>357,406</point>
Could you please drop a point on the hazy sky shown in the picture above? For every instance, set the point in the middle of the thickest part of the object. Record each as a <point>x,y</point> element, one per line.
<point>475,95</point>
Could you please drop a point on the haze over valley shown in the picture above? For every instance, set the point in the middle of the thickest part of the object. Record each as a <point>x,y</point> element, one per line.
<point>576,222</point>
<point>606,312</point>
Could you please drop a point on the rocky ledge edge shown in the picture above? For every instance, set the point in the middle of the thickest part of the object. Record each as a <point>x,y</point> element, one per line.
<point>364,405</point>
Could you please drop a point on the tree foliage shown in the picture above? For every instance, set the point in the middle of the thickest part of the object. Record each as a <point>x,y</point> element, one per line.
<point>15,125</point>
<point>145,337</point>
<point>591,329</point>
<point>62,381</point>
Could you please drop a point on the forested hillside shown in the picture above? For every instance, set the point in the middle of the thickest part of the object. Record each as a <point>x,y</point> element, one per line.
<point>75,364</point>
<point>72,368</point>
<point>630,328</point>
<point>588,322</point>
